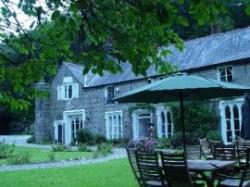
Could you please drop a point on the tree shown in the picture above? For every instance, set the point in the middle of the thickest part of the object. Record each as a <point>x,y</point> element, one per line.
<point>99,34</point>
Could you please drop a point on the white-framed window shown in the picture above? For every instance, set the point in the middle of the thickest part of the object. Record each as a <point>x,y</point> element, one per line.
<point>165,125</point>
<point>109,94</point>
<point>68,89</point>
<point>231,119</point>
<point>225,74</point>
<point>114,124</point>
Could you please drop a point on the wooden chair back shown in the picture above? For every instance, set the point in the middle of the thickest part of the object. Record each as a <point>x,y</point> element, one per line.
<point>150,171</point>
<point>175,170</point>
<point>212,145</point>
<point>132,161</point>
<point>241,147</point>
<point>224,152</point>
<point>246,168</point>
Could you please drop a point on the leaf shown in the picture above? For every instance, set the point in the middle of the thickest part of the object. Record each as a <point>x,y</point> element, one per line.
<point>55,15</point>
<point>248,10</point>
<point>182,20</point>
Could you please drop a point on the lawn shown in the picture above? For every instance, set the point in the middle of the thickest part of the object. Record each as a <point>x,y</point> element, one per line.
<point>116,173</point>
<point>40,155</point>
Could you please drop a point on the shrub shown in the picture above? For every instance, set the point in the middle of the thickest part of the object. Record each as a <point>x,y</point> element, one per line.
<point>176,141</point>
<point>163,143</point>
<point>22,158</point>
<point>121,142</point>
<point>99,139</point>
<point>59,148</point>
<point>83,147</point>
<point>51,156</point>
<point>199,119</point>
<point>31,139</point>
<point>103,150</point>
<point>47,140</point>
<point>144,144</point>
<point>6,150</point>
<point>213,135</point>
<point>85,136</point>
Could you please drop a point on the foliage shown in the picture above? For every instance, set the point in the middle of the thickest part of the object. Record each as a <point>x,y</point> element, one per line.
<point>85,136</point>
<point>39,155</point>
<point>99,139</point>
<point>31,139</point>
<point>47,140</point>
<point>101,35</point>
<point>21,158</point>
<point>121,142</point>
<point>144,144</point>
<point>83,147</point>
<point>59,148</point>
<point>6,150</point>
<point>103,150</point>
<point>213,135</point>
<point>199,119</point>
<point>163,143</point>
<point>145,106</point>
<point>51,156</point>
<point>176,141</point>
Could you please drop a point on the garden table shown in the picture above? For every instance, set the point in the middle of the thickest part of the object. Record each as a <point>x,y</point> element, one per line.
<point>201,166</point>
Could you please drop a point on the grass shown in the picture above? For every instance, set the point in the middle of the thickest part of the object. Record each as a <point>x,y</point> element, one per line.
<point>40,155</point>
<point>116,173</point>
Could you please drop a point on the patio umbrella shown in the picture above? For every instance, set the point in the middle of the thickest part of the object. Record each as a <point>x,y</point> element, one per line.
<point>245,127</point>
<point>182,87</point>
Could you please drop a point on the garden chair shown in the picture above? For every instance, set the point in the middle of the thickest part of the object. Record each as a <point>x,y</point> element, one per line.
<point>205,149</point>
<point>225,152</point>
<point>240,181</point>
<point>149,169</point>
<point>133,164</point>
<point>241,147</point>
<point>212,144</point>
<point>176,170</point>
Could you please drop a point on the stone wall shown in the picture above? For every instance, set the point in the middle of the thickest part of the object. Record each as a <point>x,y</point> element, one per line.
<point>42,125</point>
<point>92,100</point>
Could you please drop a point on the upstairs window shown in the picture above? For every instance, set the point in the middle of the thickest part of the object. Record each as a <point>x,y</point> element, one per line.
<point>226,74</point>
<point>109,94</point>
<point>68,89</point>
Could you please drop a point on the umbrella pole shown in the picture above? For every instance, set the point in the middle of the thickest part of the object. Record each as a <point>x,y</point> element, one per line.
<point>182,122</point>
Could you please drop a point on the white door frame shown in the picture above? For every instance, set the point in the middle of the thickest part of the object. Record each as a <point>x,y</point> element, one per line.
<point>135,121</point>
<point>67,125</point>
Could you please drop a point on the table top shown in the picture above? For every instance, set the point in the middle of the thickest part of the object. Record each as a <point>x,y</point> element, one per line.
<point>208,165</point>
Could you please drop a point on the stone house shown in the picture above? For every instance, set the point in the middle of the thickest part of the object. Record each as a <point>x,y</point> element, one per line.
<point>85,101</point>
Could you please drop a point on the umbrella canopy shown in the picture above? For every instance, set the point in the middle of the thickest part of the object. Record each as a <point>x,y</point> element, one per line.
<point>190,86</point>
<point>245,128</point>
<point>182,87</point>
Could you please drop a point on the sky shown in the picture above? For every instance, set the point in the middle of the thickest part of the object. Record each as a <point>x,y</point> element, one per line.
<point>23,19</point>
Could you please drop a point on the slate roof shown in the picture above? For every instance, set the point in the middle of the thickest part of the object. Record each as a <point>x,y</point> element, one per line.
<point>201,52</point>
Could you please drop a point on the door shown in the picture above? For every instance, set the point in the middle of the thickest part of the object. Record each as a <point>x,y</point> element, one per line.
<point>76,124</point>
<point>60,134</point>
<point>143,127</point>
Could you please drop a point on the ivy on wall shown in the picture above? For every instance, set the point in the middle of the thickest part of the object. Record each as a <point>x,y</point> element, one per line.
<point>145,106</point>
<point>200,120</point>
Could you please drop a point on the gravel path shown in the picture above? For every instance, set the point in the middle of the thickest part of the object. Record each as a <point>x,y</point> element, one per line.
<point>117,154</point>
